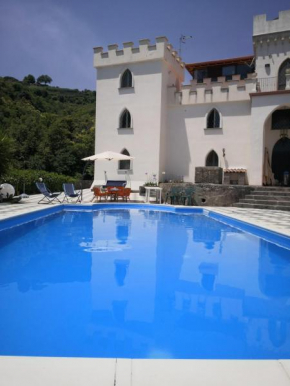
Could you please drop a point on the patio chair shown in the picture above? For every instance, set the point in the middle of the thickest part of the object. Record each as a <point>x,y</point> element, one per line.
<point>174,195</point>
<point>124,193</point>
<point>69,192</point>
<point>98,194</point>
<point>186,195</point>
<point>47,195</point>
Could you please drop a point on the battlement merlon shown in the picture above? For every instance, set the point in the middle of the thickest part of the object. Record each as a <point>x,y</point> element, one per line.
<point>262,26</point>
<point>161,50</point>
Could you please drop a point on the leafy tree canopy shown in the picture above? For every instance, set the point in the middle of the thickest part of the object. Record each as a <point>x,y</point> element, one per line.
<point>48,128</point>
<point>29,79</point>
<point>44,79</point>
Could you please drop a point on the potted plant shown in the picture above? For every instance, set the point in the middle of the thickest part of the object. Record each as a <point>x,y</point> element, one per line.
<point>150,182</point>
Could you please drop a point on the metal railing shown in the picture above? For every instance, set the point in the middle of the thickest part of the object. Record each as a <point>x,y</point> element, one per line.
<point>266,84</point>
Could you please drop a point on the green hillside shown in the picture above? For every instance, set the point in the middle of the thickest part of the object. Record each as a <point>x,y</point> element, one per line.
<point>44,127</point>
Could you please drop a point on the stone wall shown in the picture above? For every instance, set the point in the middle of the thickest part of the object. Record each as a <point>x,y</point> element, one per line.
<point>212,194</point>
<point>209,175</point>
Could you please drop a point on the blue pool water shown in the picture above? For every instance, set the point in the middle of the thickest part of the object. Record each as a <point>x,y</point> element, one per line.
<point>142,284</point>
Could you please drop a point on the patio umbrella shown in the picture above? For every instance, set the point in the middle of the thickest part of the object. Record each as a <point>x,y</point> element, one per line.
<point>109,156</point>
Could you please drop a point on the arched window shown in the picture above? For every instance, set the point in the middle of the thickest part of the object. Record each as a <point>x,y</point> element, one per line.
<point>127,79</point>
<point>125,164</point>
<point>213,119</point>
<point>125,120</point>
<point>212,159</point>
<point>282,74</point>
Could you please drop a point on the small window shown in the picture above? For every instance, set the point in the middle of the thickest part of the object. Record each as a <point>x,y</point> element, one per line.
<point>213,119</point>
<point>127,79</point>
<point>125,120</point>
<point>125,164</point>
<point>212,159</point>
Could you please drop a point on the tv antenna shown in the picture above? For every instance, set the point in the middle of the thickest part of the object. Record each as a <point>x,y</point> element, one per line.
<point>182,40</point>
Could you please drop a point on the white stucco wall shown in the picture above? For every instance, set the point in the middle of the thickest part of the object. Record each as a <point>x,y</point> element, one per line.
<point>189,142</point>
<point>144,104</point>
<point>271,44</point>
<point>262,107</point>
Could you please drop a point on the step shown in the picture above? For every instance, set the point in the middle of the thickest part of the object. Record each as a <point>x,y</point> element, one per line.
<point>261,206</point>
<point>273,188</point>
<point>271,193</point>
<point>267,197</point>
<point>264,202</point>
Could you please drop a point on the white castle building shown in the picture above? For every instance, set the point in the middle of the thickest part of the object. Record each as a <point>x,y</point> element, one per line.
<point>232,113</point>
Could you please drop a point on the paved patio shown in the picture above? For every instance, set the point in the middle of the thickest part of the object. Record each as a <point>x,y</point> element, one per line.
<point>274,220</point>
<point>35,371</point>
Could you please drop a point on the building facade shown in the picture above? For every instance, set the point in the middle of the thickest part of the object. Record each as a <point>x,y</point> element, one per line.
<point>235,113</point>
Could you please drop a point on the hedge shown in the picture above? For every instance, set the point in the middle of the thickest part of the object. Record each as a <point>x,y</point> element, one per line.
<point>24,180</point>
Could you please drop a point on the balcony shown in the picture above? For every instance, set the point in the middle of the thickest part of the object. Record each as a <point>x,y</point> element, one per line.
<point>272,84</point>
<point>266,84</point>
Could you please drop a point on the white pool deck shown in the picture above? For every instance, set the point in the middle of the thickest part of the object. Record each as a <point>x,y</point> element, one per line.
<point>47,371</point>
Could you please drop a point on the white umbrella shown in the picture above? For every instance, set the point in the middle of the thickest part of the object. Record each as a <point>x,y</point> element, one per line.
<point>109,156</point>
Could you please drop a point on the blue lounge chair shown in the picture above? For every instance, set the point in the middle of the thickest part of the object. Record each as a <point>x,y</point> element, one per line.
<point>47,195</point>
<point>69,192</point>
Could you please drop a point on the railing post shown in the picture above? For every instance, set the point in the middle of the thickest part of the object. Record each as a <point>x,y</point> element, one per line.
<point>287,75</point>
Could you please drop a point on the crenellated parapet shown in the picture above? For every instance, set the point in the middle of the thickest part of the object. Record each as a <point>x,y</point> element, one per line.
<point>146,51</point>
<point>262,26</point>
<point>209,91</point>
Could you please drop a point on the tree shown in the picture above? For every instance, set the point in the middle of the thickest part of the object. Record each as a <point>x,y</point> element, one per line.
<point>44,79</point>
<point>29,79</point>
<point>6,151</point>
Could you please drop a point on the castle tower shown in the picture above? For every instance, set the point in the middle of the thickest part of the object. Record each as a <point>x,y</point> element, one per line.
<point>131,107</point>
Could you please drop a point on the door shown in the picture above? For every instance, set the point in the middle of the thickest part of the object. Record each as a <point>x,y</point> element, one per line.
<point>281,158</point>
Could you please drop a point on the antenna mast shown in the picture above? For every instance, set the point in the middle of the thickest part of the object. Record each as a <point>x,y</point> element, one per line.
<point>182,40</point>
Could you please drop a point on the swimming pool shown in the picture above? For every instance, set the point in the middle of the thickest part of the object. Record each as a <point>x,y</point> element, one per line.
<point>142,283</point>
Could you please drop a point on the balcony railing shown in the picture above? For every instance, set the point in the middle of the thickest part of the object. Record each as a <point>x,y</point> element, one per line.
<point>266,84</point>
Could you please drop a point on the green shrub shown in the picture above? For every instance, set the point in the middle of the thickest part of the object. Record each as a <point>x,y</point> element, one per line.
<point>24,180</point>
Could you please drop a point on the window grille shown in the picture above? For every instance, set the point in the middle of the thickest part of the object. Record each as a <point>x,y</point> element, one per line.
<point>282,74</point>
<point>213,119</point>
<point>127,79</point>
<point>125,164</point>
<point>125,120</point>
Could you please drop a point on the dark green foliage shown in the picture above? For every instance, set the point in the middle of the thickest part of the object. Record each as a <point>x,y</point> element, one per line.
<point>29,79</point>
<point>6,153</point>
<point>24,180</point>
<point>52,128</point>
<point>44,79</point>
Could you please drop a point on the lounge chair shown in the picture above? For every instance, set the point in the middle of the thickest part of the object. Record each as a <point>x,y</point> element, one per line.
<point>115,183</point>
<point>47,195</point>
<point>69,192</point>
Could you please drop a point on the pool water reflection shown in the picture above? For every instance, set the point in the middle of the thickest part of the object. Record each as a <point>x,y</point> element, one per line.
<point>142,284</point>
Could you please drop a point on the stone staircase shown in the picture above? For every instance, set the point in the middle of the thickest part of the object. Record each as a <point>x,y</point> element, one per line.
<point>267,197</point>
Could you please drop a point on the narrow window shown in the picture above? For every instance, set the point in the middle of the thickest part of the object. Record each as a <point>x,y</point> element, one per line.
<point>212,159</point>
<point>213,119</point>
<point>127,79</point>
<point>125,120</point>
<point>125,164</point>
<point>282,74</point>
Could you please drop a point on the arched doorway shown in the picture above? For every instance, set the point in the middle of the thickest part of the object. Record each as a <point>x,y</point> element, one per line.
<point>281,158</point>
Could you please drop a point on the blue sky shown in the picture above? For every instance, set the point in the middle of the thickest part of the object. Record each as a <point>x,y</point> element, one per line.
<point>56,37</point>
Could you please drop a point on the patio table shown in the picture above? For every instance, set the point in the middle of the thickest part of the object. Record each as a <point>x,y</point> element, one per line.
<point>158,191</point>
